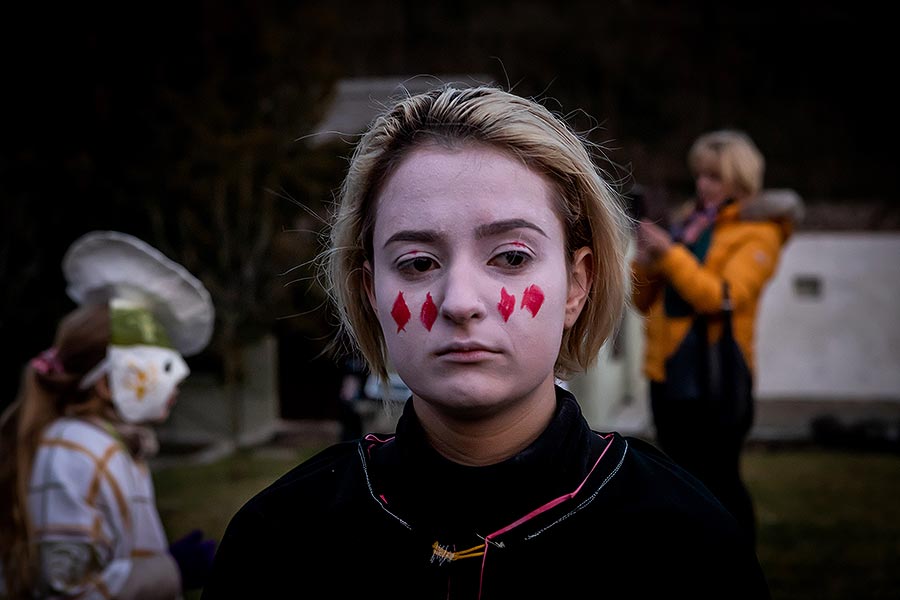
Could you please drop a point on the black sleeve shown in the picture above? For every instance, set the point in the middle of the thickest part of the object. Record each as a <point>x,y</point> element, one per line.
<point>272,541</point>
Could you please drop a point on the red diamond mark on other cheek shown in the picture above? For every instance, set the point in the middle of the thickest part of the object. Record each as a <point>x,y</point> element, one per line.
<point>532,299</point>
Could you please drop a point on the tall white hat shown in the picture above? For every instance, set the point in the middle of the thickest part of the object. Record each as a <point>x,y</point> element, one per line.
<point>102,266</point>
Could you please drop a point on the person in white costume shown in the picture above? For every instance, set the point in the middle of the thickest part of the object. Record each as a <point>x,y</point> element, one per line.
<point>78,515</point>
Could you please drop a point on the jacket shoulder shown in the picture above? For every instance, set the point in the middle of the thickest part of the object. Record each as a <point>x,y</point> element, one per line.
<point>767,236</point>
<point>78,434</point>
<point>655,475</point>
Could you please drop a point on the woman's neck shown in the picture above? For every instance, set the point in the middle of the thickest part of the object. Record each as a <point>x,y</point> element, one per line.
<point>490,439</point>
<point>94,406</point>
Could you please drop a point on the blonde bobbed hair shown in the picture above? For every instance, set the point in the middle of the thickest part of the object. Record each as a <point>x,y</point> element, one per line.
<point>589,208</point>
<point>740,163</point>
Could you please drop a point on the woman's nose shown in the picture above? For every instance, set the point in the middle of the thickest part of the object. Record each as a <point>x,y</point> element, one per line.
<point>462,301</point>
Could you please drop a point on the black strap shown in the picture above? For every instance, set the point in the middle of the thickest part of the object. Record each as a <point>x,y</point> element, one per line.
<point>701,322</point>
<point>728,347</point>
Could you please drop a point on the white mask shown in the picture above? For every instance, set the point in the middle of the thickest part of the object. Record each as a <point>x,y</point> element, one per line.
<point>142,368</point>
<point>142,380</point>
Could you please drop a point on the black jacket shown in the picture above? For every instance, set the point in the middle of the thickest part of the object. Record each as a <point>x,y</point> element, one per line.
<point>577,512</point>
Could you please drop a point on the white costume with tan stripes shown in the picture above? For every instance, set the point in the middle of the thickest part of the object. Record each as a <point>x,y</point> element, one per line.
<point>95,520</point>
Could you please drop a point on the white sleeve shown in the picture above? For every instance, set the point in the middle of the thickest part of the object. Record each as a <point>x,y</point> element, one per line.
<point>69,569</point>
<point>80,513</point>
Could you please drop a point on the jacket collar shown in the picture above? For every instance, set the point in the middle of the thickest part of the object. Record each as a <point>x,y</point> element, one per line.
<point>565,465</point>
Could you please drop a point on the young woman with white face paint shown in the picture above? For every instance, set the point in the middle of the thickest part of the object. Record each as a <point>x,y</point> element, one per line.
<point>477,250</point>
<point>460,230</point>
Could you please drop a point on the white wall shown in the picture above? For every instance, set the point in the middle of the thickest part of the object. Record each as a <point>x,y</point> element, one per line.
<point>613,394</point>
<point>845,343</point>
<point>202,413</point>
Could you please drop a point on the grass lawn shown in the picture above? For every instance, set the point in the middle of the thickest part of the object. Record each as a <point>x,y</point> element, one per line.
<point>829,521</point>
<point>206,496</point>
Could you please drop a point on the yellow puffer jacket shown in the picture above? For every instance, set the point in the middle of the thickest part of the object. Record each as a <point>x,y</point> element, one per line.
<point>747,239</point>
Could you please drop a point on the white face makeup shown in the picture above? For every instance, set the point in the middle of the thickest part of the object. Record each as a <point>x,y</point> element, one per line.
<point>143,381</point>
<point>469,278</point>
<point>142,369</point>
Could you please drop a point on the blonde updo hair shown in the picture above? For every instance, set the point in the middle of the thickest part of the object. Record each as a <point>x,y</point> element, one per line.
<point>740,163</point>
<point>589,208</point>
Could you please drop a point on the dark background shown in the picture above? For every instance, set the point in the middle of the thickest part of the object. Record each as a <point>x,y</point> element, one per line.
<point>184,123</point>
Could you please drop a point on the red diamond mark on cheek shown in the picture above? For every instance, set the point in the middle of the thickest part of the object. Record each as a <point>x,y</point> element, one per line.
<point>506,305</point>
<point>429,312</point>
<point>400,312</point>
<point>532,299</point>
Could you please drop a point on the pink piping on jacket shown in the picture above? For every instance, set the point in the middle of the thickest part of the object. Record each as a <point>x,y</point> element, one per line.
<point>488,539</point>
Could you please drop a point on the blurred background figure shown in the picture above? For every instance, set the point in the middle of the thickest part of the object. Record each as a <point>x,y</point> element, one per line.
<point>728,241</point>
<point>353,381</point>
<point>79,517</point>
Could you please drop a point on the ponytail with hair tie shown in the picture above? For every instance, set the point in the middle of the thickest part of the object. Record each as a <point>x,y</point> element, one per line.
<point>47,362</point>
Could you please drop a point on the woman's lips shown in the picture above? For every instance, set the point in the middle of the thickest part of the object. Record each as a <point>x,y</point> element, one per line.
<point>466,352</point>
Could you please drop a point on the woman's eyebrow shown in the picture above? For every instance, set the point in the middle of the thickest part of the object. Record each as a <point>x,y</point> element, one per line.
<point>428,236</point>
<point>498,227</point>
<point>412,235</point>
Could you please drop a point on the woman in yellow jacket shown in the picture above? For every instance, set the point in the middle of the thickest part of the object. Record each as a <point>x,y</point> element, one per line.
<point>733,235</point>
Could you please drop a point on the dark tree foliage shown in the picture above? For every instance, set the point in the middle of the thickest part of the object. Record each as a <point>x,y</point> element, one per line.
<point>185,123</point>
<point>184,127</point>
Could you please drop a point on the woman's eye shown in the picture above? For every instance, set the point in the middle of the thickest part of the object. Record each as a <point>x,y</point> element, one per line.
<point>422,264</point>
<point>512,258</point>
<point>418,264</point>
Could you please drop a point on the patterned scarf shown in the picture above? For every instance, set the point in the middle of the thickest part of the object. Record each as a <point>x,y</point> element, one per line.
<point>696,223</point>
<point>696,235</point>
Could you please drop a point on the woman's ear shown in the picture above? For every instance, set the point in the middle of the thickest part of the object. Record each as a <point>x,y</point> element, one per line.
<point>101,388</point>
<point>369,285</point>
<point>581,278</point>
